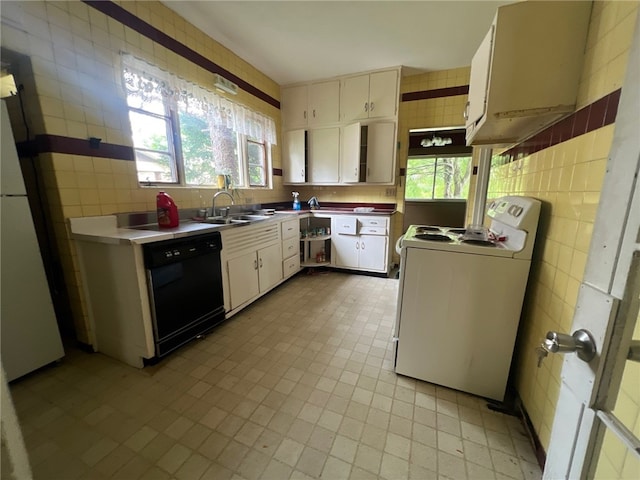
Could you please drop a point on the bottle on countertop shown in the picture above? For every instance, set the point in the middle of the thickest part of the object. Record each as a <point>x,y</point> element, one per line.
<point>296,201</point>
<point>167,211</point>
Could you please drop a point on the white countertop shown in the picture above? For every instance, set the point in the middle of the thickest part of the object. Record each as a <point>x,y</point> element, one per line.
<point>104,229</point>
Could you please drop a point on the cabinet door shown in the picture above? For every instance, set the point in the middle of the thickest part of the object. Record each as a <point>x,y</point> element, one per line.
<point>479,81</point>
<point>243,279</point>
<point>354,98</point>
<point>269,266</point>
<point>324,155</point>
<point>373,252</point>
<point>381,142</point>
<point>344,250</point>
<point>350,159</point>
<point>294,106</point>
<point>383,94</point>
<point>295,156</point>
<point>324,103</point>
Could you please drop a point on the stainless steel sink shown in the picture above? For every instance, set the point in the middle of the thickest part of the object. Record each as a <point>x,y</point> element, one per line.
<point>236,219</point>
<point>225,221</point>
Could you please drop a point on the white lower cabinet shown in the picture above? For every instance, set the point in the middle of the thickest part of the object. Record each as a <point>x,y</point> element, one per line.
<point>360,243</point>
<point>251,262</point>
<point>254,273</point>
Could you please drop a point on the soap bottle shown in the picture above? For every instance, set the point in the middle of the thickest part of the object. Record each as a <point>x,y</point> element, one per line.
<point>167,211</point>
<point>296,201</point>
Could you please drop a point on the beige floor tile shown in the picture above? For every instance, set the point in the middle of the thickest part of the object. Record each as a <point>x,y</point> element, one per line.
<point>270,395</point>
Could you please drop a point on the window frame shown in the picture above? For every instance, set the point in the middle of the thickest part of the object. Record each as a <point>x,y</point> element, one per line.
<point>436,157</point>
<point>177,160</point>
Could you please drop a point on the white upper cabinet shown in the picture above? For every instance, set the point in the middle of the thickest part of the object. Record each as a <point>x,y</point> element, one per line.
<point>311,105</point>
<point>324,155</point>
<point>525,73</point>
<point>381,152</point>
<point>368,153</point>
<point>373,95</point>
<point>294,153</point>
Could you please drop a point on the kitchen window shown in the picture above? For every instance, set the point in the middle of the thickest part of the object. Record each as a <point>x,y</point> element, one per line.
<point>186,135</point>
<point>438,177</point>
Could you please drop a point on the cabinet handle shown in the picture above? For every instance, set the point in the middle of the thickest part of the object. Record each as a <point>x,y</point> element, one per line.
<point>290,247</point>
<point>362,245</point>
<point>366,106</point>
<point>465,114</point>
<point>357,245</point>
<point>356,172</point>
<point>260,262</point>
<point>255,264</point>
<point>314,113</point>
<point>302,174</point>
<point>372,106</point>
<point>304,115</point>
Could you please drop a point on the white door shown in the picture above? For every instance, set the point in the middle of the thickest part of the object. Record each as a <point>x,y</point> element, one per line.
<point>324,103</point>
<point>243,279</point>
<point>373,252</point>
<point>354,98</point>
<point>324,155</point>
<point>381,143</point>
<point>269,266</point>
<point>294,106</point>
<point>607,307</point>
<point>295,156</point>
<point>350,158</point>
<point>383,94</point>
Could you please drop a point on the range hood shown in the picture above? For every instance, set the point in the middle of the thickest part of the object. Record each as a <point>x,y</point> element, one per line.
<point>525,74</point>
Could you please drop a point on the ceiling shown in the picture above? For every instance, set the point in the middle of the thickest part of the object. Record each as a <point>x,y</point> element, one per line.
<point>300,41</point>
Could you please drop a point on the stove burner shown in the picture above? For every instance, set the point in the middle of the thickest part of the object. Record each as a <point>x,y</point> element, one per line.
<point>433,237</point>
<point>427,229</point>
<point>458,231</point>
<point>482,243</point>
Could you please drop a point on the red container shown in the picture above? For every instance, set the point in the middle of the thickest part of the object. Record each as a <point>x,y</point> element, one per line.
<point>167,211</point>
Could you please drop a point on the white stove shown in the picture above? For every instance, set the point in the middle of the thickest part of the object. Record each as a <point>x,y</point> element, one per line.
<point>460,298</point>
<point>512,232</point>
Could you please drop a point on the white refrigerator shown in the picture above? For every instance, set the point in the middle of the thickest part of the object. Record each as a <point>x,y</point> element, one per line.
<point>29,332</point>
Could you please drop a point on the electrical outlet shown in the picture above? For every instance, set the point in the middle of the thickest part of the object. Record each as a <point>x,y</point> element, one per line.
<point>390,192</point>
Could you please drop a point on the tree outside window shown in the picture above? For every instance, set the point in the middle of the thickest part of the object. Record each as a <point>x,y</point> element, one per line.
<point>185,135</point>
<point>434,178</point>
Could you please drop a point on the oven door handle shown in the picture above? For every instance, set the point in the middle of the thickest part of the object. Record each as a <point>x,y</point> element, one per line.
<point>399,244</point>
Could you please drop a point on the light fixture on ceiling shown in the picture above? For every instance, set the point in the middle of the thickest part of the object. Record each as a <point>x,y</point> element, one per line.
<point>225,85</point>
<point>435,141</point>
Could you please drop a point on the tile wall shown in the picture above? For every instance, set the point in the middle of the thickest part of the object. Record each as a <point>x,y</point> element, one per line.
<point>73,90</point>
<point>567,177</point>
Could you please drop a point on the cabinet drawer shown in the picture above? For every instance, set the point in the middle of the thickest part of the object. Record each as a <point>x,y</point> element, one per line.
<point>346,225</point>
<point>373,230</point>
<point>291,266</point>
<point>290,246</point>
<point>291,228</point>
<point>373,222</point>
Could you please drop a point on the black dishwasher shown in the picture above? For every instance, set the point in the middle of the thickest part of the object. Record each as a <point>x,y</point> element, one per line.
<point>184,278</point>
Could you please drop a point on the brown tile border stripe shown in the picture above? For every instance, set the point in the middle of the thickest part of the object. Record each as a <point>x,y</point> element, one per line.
<point>436,93</point>
<point>599,114</point>
<point>74,146</point>
<point>127,18</point>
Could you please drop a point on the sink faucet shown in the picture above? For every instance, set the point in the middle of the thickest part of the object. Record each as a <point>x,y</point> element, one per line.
<point>313,203</point>
<point>213,205</point>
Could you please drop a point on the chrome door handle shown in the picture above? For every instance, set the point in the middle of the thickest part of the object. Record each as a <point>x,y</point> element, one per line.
<point>581,342</point>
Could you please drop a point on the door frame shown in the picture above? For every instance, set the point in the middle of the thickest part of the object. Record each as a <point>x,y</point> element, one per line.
<point>578,428</point>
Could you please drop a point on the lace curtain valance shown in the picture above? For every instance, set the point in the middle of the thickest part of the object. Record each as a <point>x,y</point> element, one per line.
<point>147,80</point>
